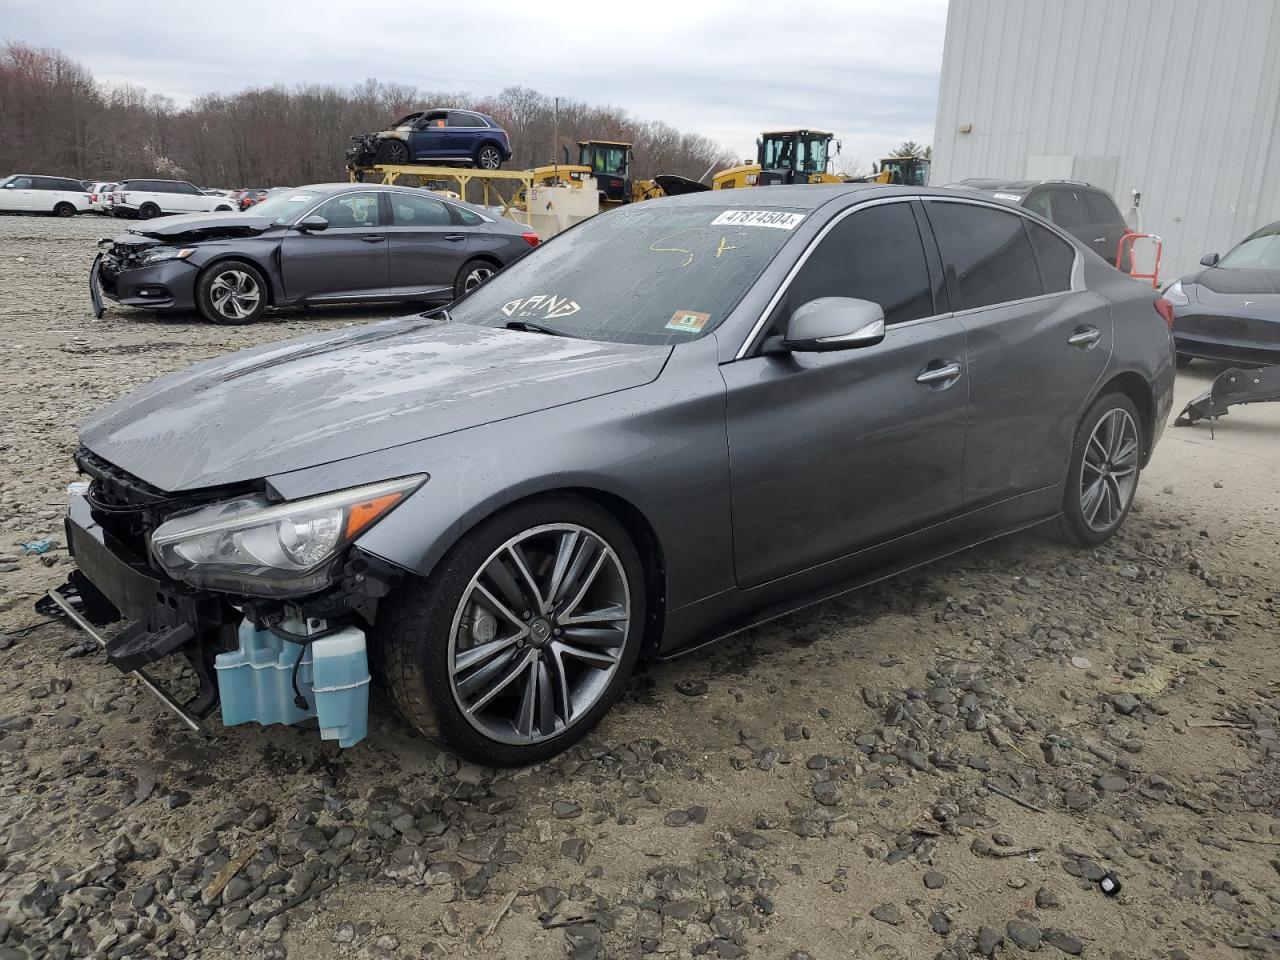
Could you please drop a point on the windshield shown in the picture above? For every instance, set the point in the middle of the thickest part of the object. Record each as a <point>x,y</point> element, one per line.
<point>1260,252</point>
<point>284,207</point>
<point>604,159</point>
<point>807,151</point>
<point>648,274</point>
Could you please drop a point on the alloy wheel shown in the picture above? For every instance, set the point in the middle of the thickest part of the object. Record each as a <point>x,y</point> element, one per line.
<point>475,277</point>
<point>1109,474</point>
<point>490,159</point>
<point>539,633</point>
<point>235,294</point>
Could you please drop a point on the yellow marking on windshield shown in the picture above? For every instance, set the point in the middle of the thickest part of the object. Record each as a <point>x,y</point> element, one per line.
<point>724,245</point>
<point>671,236</point>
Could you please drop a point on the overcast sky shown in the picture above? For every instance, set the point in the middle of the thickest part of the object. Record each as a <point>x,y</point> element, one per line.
<point>865,69</point>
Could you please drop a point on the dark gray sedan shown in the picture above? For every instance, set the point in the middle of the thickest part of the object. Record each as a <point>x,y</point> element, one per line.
<point>674,421</point>
<point>319,244</point>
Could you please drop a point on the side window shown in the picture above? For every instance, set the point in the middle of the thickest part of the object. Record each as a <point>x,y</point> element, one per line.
<point>184,187</point>
<point>464,120</point>
<point>470,218</point>
<point>987,252</point>
<point>874,254</point>
<point>43,183</point>
<point>1102,208</point>
<point>1040,203</point>
<point>21,183</point>
<point>73,185</point>
<point>1055,256</point>
<point>350,210</point>
<point>408,210</point>
<point>1069,209</point>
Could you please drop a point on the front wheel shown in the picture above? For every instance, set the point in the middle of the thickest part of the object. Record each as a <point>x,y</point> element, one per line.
<point>523,636</point>
<point>231,292</point>
<point>1106,462</point>
<point>393,152</point>
<point>489,157</point>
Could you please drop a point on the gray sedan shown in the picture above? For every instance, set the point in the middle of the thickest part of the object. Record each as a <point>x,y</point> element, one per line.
<point>672,422</point>
<point>305,246</point>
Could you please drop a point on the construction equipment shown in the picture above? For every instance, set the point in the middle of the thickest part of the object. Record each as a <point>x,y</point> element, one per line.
<point>784,156</point>
<point>907,171</point>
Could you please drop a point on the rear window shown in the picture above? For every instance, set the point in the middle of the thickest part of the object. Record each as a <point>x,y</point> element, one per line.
<point>648,274</point>
<point>1102,208</point>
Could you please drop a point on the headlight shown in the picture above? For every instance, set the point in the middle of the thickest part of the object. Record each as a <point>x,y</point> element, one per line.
<point>160,254</point>
<point>1176,295</point>
<point>254,547</point>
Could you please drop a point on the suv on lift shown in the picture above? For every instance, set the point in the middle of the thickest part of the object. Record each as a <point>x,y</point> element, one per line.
<point>461,137</point>
<point>1086,212</point>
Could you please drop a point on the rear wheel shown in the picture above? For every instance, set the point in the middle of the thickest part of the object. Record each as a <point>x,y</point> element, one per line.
<point>64,209</point>
<point>472,274</point>
<point>231,292</point>
<point>489,157</point>
<point>147,211</point>
<point>522,637</point>
<point>394,152</point>
<point>1106,462</point>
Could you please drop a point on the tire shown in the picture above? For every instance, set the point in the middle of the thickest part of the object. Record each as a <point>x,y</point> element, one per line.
<point>472,274</point>
<point>1184,360</point>
<point>426,624</point>
<point>231,293</point>
<point>488,157</point>
<point>394,152</point>
<point>223,209</point>
<point>64,209</point>
<point>147,211</point>
<point>1098,494</point>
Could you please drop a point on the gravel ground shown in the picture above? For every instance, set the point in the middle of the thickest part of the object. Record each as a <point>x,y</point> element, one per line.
<point>945,766</point>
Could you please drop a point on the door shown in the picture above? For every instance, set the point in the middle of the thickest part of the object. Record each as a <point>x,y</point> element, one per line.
<point>187,198</point>
<point>833,452</point>
<point>19,194</point>
<point>462,134</point>
<point>1107,226</point>
<point>427,139</point>
<point>1036,346</point>
<point>426,247</point>
<point>345,261</point>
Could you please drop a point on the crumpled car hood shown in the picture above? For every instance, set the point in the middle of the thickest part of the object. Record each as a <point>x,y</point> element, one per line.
<point>198,226</point>
<point>315,400</point>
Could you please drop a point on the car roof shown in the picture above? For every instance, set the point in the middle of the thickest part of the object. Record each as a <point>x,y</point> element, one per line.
<point>989,184</point>
<point>805,196</point>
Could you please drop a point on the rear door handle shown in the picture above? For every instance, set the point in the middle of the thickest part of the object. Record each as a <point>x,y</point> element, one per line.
<point>373,238</point>
<point>948,371</point>
<point>455,237</point>
<point>1099,239</point>
<point>1085,337</point>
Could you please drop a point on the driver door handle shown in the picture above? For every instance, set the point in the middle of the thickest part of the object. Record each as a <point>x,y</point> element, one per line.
<point>455,237</point>
<point>373,238</point>
<point>936,375</point>
<point>1085,337</point>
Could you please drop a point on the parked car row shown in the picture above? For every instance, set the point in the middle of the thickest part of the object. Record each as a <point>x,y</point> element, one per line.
<point>140,198</point>
<point>59,196</point>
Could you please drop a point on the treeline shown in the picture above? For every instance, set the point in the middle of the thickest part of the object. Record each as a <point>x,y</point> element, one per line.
<point>56,119</point>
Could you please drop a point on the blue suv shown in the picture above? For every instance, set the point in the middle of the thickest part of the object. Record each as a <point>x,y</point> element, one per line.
<point>435,136</point>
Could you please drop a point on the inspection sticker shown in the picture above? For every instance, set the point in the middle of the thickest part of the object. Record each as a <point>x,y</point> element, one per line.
<point>781,219</point>
<point>1015,197</point>
<point>689,321</point>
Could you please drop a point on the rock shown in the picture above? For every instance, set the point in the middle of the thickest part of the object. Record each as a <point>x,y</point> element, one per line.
<point>934,880</point>
<point>691,688</point>
<point>988,941</point>
<point>1046,899</point>
<point>1111,783</point>
<point>344,933</point>
<point>176,799</point>
<point>1125,703</point>
<point>940,923</point>
<point>676,818</point>
<point>888,913</point>
<point>1024,934</point>
<point>574,848</point>
<point>827,792</point>
<point>1066,942</point>
<point>566,809</point>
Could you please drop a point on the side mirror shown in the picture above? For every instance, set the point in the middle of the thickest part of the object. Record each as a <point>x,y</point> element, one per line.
<point>1210,260</point>
<point>8,186</point>
<point>834,323</point>
<point>312,223</point>
<point>838,146</point>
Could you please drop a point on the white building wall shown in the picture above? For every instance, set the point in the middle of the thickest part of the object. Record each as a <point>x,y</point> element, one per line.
<point>1178,99</point>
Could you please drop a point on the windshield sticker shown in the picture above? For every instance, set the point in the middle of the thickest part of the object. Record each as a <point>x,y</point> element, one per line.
<point>688,321</point>
<point>779,219</point>
<point>545,305</point>
<point>301,198</point>
<point>1015,197</point>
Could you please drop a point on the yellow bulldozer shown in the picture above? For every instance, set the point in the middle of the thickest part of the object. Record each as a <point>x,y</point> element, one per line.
<point>908,171</point>
<point>784,156</point>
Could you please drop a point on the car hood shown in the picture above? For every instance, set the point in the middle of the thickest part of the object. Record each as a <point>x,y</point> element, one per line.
<point>1229,289</point>
<point>199,226</point>
<point>315,400</point>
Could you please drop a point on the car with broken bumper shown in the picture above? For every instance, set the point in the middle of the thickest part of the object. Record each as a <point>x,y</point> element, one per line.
<point>320,244</point>
<point>668,424</point>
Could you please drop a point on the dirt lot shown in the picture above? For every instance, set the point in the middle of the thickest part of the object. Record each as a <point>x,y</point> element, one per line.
<point>943,766</point>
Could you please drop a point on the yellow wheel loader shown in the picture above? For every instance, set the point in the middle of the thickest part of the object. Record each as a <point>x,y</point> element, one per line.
<point>784,156</point>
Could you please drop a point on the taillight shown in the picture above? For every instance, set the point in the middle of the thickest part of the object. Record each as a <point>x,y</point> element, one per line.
<point>1165,309</point>
<point>93,198</point>
<point>531,238</point>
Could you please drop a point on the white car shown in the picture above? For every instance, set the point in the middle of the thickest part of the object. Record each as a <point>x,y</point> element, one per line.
<point>27,193</point>
<point>100,196</point>
<point>145,199</point>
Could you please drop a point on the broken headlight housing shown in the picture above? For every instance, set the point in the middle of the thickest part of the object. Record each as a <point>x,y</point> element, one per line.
<point>251,546</point>
<point>153,255</point>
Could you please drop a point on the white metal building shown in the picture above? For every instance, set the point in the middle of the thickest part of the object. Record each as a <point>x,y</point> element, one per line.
<point>1178,100</point>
